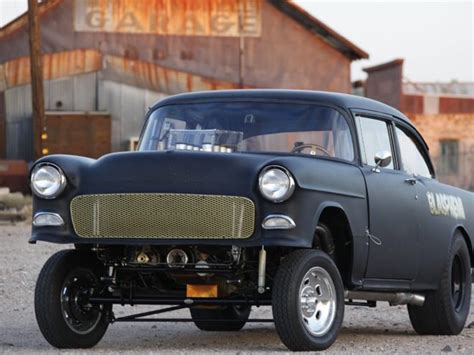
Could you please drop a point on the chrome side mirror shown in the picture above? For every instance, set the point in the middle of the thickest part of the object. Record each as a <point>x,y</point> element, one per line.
<point>382,159</point>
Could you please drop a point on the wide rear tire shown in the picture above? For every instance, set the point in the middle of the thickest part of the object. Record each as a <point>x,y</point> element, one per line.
<point>64,315</point>
<point>445,310</point>
<point>308,301</point>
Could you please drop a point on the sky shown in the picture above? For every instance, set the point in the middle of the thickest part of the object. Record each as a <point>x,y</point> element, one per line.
<point>436,38</point>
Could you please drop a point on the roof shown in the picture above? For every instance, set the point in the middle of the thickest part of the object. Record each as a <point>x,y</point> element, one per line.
<point>344,101</point>
<point>22,20</point>
<point>319,28</point>
<point>292,10</point>
<point>443,89</point>
<point>383,66</point>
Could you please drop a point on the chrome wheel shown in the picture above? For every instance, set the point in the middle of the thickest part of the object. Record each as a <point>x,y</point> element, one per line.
<point>317,301</point>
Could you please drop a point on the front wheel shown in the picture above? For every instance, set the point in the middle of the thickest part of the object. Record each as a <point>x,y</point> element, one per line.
<point>308,301</point>
<point>445,310</point>
<point>64,315</point>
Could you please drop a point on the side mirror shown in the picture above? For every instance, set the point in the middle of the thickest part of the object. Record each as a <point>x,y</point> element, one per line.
<point>382,159</point>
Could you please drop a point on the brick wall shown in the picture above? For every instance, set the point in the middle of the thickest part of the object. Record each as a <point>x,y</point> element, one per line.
<point>438,127</point>
<point>434,104</point>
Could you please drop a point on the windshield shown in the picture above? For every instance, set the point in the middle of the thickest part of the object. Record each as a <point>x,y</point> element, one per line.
<point>249,127</point>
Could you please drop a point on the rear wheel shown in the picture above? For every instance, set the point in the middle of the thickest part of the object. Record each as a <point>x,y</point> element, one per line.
<point>64,315</point>
<point>308,301</point>
<point>236,315</point>
<point>445,310</point>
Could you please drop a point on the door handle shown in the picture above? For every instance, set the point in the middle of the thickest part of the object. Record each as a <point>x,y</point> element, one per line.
<point>411,181</point>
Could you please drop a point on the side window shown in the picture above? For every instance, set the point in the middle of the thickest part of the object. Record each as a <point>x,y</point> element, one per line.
<point>373,138</point>
<point>413,161</point>
<point>449,162</point>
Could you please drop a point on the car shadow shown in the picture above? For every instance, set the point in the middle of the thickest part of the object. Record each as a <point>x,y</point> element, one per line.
<point>166,338</point>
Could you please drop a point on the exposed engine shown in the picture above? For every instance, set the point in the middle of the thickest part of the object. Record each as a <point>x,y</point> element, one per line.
<point>150,271</point>
<point>180,257</point>
<point>207,140</point>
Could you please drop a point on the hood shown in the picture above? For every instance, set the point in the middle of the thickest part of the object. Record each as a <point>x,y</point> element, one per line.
<point>170,171</point>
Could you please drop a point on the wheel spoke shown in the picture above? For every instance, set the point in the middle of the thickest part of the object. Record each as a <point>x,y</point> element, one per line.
<point>317,301</point>
<point>313,280</point>
<point>324,293</point>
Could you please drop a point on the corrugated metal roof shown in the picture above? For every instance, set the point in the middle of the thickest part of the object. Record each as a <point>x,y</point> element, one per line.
<point>448,89</point>
<point>384,66</point>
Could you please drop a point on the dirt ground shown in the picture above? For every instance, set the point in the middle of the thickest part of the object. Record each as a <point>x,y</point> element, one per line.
<point>383,329</point>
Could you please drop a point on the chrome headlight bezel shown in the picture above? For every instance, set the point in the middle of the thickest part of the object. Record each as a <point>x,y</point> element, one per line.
<point>61,181</point>
<point>290,184</point>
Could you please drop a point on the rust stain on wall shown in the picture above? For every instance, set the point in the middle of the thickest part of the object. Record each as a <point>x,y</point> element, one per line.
<point>228,18</point>
<point>158,78</point>
<point>55,65</point>
<point>134,72</point>
<point>3,79</point>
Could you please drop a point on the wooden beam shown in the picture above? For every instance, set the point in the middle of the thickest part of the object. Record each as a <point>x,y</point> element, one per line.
<point>36,68</point>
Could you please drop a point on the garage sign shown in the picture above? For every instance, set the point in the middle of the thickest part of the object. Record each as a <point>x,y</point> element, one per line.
<point>226,18</point>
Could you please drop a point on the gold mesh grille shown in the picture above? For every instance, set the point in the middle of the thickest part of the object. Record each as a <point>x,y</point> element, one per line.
<point>163,216</point>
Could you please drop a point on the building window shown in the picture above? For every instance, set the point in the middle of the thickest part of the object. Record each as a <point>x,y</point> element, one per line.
<point>449,156</point>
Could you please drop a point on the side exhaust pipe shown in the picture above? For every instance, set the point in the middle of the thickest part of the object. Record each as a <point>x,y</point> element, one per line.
<point>393,298</point>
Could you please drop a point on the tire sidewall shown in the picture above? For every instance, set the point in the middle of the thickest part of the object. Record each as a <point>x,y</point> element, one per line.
<point>309,259</point>
<point>458,248</point>
<point>48,310</point>
<point>327,264</point>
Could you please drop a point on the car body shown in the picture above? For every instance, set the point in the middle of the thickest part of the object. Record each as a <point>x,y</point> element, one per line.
<point>257,175</point>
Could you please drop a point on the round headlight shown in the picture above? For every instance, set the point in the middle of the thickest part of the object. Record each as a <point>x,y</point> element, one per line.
<point>47,181</point>
<point>276,184</point>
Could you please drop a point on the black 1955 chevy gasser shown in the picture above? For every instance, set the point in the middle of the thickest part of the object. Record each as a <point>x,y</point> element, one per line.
<point>305,201</point>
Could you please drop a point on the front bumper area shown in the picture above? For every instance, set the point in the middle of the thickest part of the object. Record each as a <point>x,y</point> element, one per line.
<point>295,237</point>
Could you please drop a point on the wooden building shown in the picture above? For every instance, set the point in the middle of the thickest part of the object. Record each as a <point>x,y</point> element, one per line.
<point>117,57</point>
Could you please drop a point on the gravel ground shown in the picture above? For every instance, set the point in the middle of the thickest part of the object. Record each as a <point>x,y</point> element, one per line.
<point>383,329</point>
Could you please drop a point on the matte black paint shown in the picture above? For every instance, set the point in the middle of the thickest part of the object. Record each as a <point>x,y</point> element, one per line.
<point>414,242</point>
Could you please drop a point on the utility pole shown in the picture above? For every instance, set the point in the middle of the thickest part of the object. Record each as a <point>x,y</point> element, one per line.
<point>36,69</point>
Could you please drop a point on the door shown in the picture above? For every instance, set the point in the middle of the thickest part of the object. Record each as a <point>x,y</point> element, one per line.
<point>434,233</point>
<point>392,230</point>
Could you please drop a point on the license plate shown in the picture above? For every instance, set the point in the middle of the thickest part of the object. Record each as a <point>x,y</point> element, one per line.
<point>201,291</point>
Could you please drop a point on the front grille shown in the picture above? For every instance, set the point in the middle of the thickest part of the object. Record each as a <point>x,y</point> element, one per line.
<point>162,216</point>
